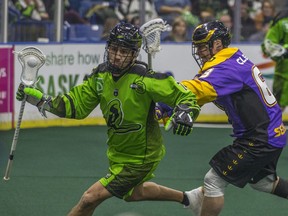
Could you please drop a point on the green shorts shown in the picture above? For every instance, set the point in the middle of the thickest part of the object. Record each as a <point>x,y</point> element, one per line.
<point>122,178</point>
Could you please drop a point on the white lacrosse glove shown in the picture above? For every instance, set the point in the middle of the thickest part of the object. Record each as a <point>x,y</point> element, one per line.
<point>34,97</point>
<point>274,51</point>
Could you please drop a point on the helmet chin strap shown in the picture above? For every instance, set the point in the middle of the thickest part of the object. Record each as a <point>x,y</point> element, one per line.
<point>117,72</point>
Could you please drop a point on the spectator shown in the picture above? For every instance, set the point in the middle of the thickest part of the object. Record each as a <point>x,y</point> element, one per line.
<point>219,6</point>
<point>255,7</point>
<point>247,23</point>
<point>71,15</point>
<point>265,15</point>
<point>178,32</point>
<point>13,13</point>
<point>259,35</point>
<point>226,19</point>
<point>136,21</point>
<point>169,10</point>
<point>207,15</point>
<point>128,10</point>
<point>32,9</point>
<point>108,26</point>
<point>100,11</point>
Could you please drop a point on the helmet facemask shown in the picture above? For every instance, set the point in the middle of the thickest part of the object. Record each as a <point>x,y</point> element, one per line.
<point>206,52</point>
<point>203,40</point>
<point>122,48</point>
<point>119,58</point>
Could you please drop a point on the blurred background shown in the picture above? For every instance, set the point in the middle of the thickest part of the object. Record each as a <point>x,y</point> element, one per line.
<point>90,20</point>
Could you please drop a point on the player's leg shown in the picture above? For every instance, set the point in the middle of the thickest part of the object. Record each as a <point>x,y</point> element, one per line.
<point>273,185</point>
<point>195,198</point>
<point>119,183</point>
<point>91,198</point>
<point>214,188</point>
<point>147,190</point>
<point>267,180</point>
<point>153,191</point>
<point>281,188</point>
<point>235,165</point>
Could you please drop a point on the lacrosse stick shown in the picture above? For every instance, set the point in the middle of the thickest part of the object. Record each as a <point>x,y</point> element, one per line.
<point>31,59</point>
<point>151,31</point>
<point>274,50</point>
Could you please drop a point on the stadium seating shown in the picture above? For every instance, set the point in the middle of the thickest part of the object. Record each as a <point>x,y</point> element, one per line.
<point>83,33</point>
<point>31,30</point>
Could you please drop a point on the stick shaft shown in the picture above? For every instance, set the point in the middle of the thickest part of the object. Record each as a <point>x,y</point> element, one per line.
<point>15,140</point>
<point>149,61</point>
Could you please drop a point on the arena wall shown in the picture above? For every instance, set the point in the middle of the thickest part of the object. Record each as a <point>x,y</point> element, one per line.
<point>67,64</point>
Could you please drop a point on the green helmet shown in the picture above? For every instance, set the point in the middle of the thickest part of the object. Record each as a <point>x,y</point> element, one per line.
<point>127,36</point>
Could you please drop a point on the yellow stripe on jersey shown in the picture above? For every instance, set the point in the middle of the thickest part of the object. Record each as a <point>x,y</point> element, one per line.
<point>204,92</point>
<point>218,58</point>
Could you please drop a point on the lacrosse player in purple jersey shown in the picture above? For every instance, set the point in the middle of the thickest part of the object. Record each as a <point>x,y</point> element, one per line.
<point>234,84</point>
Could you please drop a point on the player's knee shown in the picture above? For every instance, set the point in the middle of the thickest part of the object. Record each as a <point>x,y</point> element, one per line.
<point>147,190</point>
<point>265,185</point>
<point>214,185</point>
<point>88,200</point>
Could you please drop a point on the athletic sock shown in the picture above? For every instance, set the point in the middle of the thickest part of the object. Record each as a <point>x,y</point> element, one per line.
<point>281,189</point>
<point>185,200</point>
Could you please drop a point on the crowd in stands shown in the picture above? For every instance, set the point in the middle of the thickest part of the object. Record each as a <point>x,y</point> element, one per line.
<point>181,15</point>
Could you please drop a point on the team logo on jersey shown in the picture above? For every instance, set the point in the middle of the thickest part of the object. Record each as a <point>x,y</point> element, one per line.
<point>115,118</point>
<point>99,87</point>
<point>139,86</point>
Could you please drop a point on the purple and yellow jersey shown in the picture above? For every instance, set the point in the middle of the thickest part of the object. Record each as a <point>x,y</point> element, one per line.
<point>236,85</point>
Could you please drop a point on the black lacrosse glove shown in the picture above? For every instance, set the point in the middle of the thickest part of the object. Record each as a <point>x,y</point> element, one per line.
<point>182,119</point>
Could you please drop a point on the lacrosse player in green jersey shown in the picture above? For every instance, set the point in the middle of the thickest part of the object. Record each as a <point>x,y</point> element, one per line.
<point>275,46</point>
<point>127,92</point>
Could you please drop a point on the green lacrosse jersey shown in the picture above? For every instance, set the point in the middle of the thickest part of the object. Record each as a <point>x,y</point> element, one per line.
<point>278,34</point>
<point>127,105</point>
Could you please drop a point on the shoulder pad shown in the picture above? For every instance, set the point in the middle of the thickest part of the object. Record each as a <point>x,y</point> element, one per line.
<point>139,69</point>
<point>101,67</point>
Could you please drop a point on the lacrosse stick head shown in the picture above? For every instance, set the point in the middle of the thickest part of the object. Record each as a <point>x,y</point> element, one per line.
<point>31,59</point>
<point>151,32</point>
<point>273,49</point>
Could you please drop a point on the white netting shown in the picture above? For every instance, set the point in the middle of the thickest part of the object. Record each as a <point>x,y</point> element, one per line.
<point>152,35</point>
<point>31,59</point>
